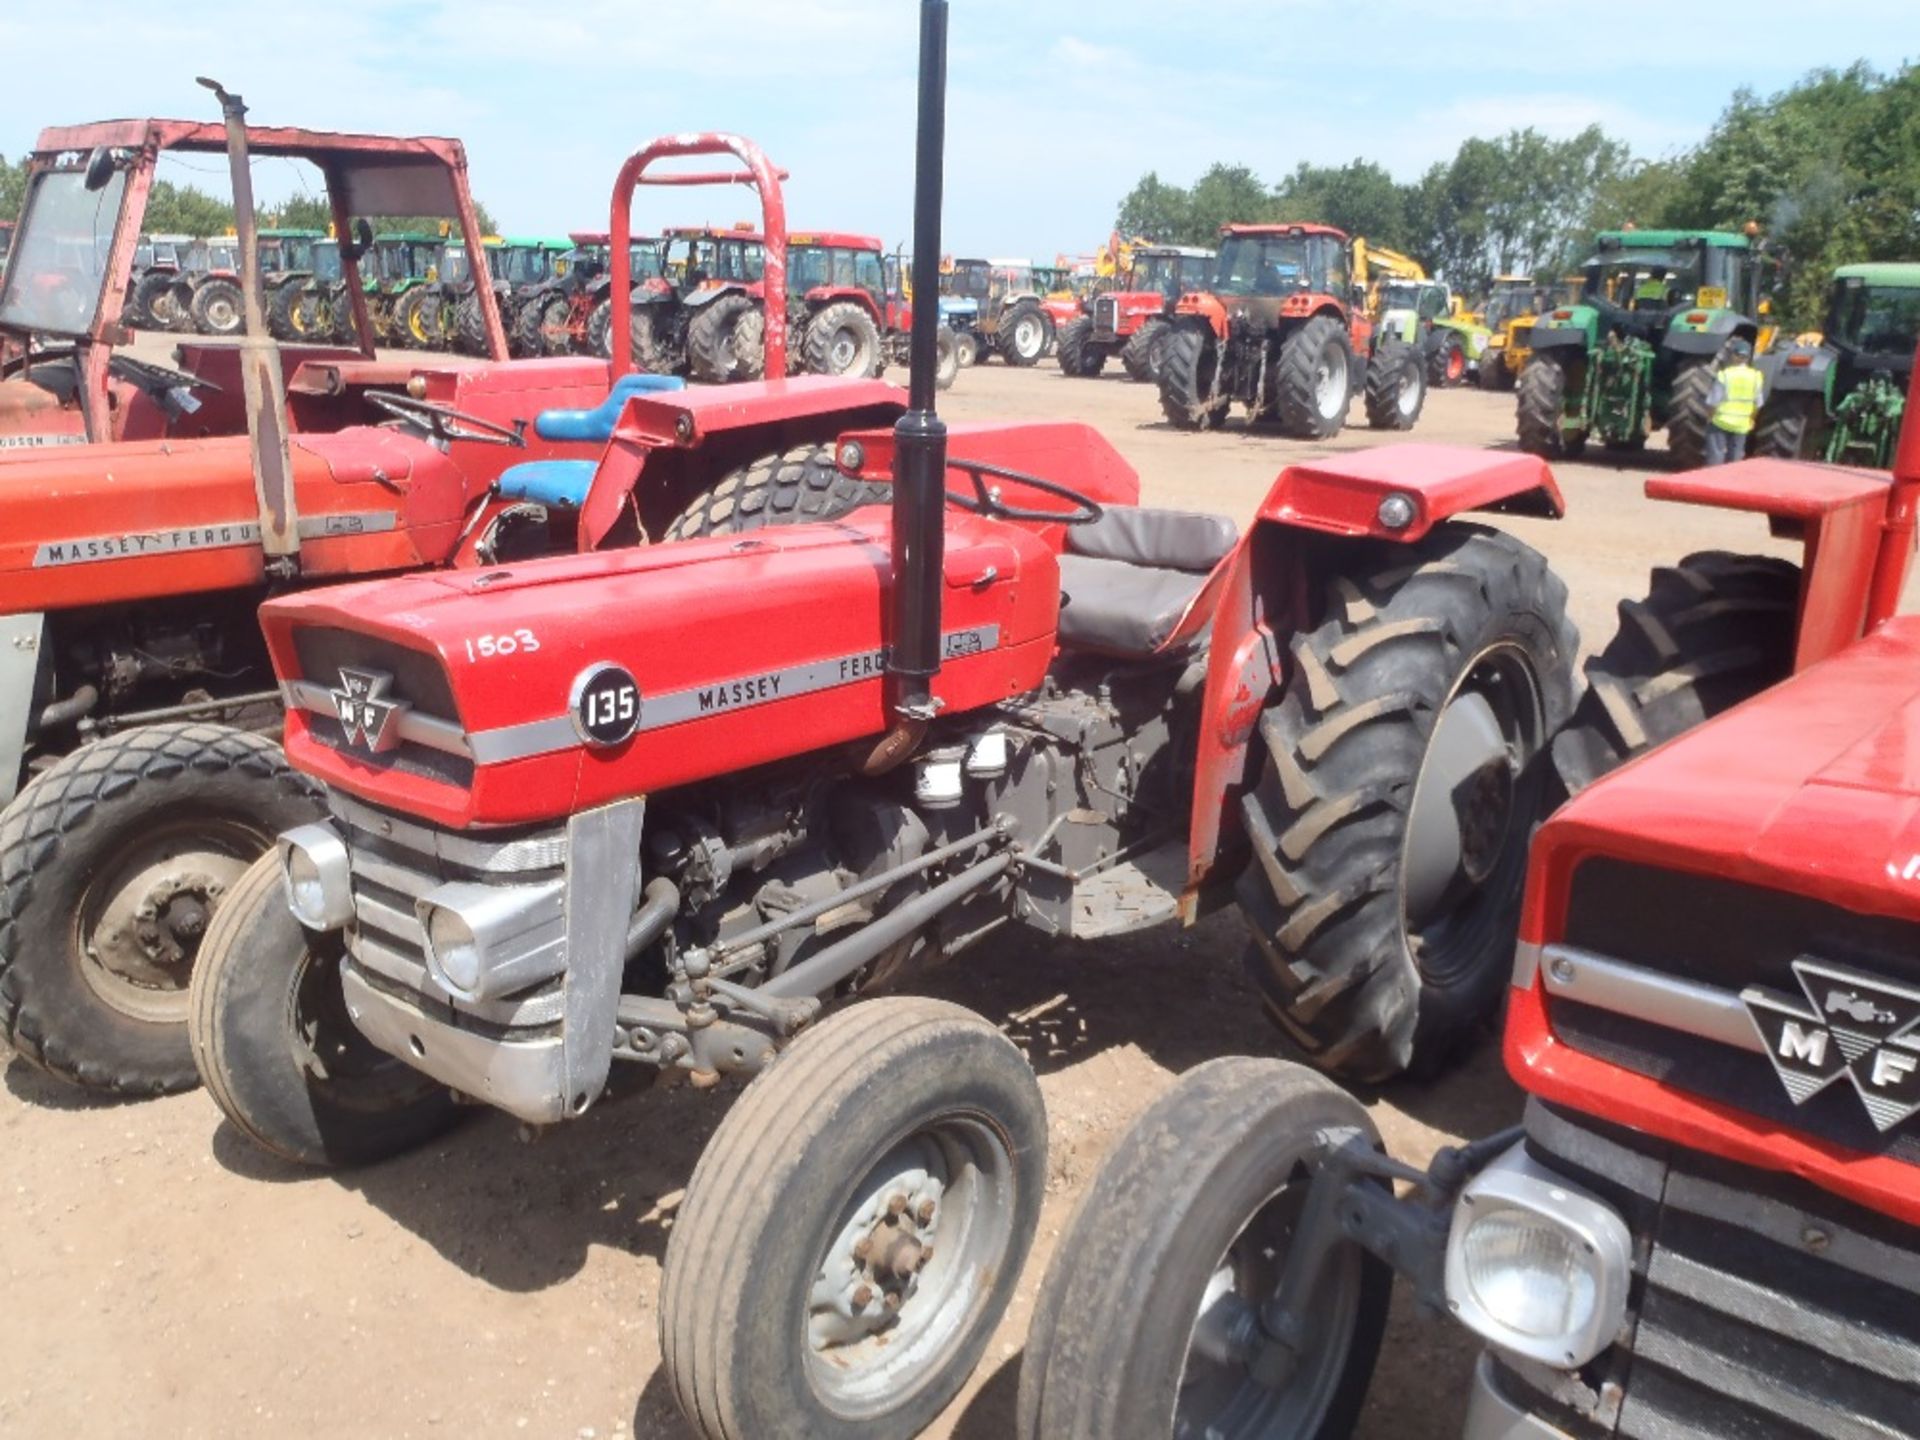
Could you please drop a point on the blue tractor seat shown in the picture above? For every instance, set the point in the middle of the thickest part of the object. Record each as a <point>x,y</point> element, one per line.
<point>563,484</point>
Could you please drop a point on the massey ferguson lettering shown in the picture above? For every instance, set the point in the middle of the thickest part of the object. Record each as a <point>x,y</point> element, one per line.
<point>740,692</point>
<point>215,535</point>
<point>1853,1025</point>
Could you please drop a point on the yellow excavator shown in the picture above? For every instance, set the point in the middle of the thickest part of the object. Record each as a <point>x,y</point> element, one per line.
<point>1406,304</point>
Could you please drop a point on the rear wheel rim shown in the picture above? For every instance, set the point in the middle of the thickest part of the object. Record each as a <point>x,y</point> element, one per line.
<point>1408,399</point>
<point>1027,335</point>
<point>913,1256</point>
<point>1330,383</point>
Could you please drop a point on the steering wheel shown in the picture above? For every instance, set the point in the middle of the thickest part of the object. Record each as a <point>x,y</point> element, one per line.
<point>445,423</point>
<point>986,500</point>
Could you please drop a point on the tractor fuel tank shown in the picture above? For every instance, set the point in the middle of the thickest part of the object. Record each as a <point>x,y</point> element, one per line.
<point>523,694</point>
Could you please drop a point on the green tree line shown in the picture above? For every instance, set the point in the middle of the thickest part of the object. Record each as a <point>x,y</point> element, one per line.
<point>1830,168</point>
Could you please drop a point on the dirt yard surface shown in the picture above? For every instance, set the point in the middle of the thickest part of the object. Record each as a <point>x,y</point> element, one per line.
<point>164,1279</point>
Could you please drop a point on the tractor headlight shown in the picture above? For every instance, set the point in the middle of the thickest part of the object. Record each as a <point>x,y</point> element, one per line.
<point>485,941</point>
<point>1538,1267</point>
<point>319,886</point>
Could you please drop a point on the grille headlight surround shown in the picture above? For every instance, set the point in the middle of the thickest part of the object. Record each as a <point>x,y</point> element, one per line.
<point>486,941</point>
<point>319,876</point>
<point>1536,1266</point>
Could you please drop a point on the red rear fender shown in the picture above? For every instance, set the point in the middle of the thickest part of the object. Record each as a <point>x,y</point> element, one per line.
<point>1347,494</point>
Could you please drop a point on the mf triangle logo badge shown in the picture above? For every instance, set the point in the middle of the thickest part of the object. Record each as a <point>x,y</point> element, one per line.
<point>1853,1025</point>
<point>365,714</point>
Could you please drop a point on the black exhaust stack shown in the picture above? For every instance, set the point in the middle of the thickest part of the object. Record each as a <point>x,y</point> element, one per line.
<point>920,439</point>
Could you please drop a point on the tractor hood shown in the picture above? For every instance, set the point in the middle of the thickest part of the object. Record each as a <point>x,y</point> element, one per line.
<point>1814,785</point>
<point>469,698</point>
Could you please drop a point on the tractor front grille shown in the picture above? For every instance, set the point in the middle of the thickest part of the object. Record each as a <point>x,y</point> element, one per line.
<point>395,861</point>
<point>1763,1308</point>
<point>432,743</point>
<point>1106,315</point>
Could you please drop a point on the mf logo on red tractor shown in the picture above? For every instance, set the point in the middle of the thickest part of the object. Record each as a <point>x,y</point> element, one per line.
<point>1858,1026</point>
<point>365,716</point>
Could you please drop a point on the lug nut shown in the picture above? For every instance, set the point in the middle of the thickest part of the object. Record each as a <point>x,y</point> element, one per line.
<point>863,1297</point>
<point>862,1248</point>
<point>896,1204</point>
<point>925,1213</point>
<point>892,1301</point>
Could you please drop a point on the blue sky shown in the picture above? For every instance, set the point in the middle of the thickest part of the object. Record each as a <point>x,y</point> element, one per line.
<point>1054,109</point>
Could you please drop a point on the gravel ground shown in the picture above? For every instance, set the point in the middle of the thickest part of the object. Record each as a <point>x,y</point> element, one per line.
<point>164,1279</point>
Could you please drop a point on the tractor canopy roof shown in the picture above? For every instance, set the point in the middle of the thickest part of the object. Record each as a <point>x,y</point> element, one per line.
<point>1183,252</point>
<point>286,234</point>
<point>834,239</point>
<point>1669,239</point>
<point>1890,275</point>
<point>546,242</point>
<point>169,239</point>
<point>409,237</point>
<point>1286,229</point>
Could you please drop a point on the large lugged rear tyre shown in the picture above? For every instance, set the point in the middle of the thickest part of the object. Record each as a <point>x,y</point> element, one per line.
<point>1713,630</point>
<point>1079,356</point>
<point>286,316</point>
<point>1403,774</point>
<point>1145,352</point>
<point>416,318</point>
<point>714,341</point>
<point>148,290</point>
<point>111,864</point>
<point>218,307</point>
<point>1312,380</point>
<point>1789,427</point>
<point>796,487</point>
<point>1540,408</point>
<point>278,1052</point>
<point>1689,414</point>
<point>1186,380</point>
<point>1493,373</point>
<point>855,1228</point>
<point>1185,1231</point>
<point>1396,387</point>
<point>1022,336</point>
<point>842,340</point>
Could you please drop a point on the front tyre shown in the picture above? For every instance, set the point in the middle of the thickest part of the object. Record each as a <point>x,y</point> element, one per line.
<point>1403,773</point>
<point>276,1048</point>
<point>842,340</point>
<point>1788,428</point>
<point>112,864</point>
<point>1540,410</point>
<point>1312,380</point>
<point>855,1228</point>
<point>1078,355</point>
<point>1148,1322</point>
<point>218,308</point>
<point>1396,389</point>
<point>1145,351</point>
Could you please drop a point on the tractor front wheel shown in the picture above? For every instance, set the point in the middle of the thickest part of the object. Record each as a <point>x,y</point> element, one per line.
<point>842,340</point>
<point>1541,410</point>
<point>795,487</point>
<point>1789,428</point>
<point>279,1053</point>
<point>218,308</point>
<point>112,863</point>
<point>1145,352</point>
<point>287,316</point>
<point>855,1228</point>
<point>1712,631</point>
<point>1404,770</point>
<point>1689,414</point>
<point>1312,380</point>
<point>1396,387</point>
<point>150,308</point>
<point>1200,1208</point>
<point>1493,373</point>
<point>1079,356</point>
<point>1447,361</point>
<point>967,347</point>
<point>1187,378</point>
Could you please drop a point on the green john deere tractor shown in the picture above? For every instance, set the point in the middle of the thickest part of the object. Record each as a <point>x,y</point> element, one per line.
<point>1636,352</point>
<point>1839,396</point>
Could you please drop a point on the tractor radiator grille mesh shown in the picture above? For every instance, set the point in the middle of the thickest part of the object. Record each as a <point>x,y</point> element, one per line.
<point>1762,1306</point>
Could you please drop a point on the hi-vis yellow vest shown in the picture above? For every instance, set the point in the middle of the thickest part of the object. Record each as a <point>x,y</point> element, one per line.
<point>1735,413</point>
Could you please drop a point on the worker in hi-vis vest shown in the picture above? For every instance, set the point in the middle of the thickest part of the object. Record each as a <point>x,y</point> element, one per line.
<point>1737,394</point>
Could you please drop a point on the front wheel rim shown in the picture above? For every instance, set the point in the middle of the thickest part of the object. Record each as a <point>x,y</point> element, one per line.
<point>914,1255</point>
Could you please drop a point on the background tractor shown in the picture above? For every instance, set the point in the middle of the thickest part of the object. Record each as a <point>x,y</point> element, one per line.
<point>1840,396</point>
<point>1132,317</point>
<point>1010,318</point>
<point>399,263</point>
<point>703,315</point>
<point>1638,350</point>
<point>1281,331</point>
<point>1513,304</point>
<point>1429,317</point>
<point>623,808</point>
<point>517,267</point>
<point>646,264</point>
<point>1708,1222</point>
<point>156,261</point>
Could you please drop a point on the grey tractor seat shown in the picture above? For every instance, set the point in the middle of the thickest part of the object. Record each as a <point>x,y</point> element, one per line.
<point>1126,579</point>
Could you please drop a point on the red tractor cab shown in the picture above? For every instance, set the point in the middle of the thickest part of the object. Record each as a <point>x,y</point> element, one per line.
<point>1132,319</point>
<point>1708,1221</point>
<point>65,288</point>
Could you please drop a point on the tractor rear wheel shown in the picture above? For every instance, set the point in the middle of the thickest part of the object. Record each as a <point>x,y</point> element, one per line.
<point>470,326</point>
<point>1187,380</point>
<point>855,1228</point>
<point>1198,1207</point>
<point>1446,361</point>
<point>151,290</point>
<point>1396,387</point>
<point>1145,351</point>
<point>714,340</point>
<point>600,329</point>
<point>1789,427</point>
<point>1689,414</point>
<point>842,340</point>
<point>1714,630</point>
<point>1079,356</point>
<point>647,341</point>
<point>946,353</point>
<point>415,318</point>
<point>1023,334</point>
<point>1541,409</point>
<point>795,487</point>
<point>1312,380</point>
<point>279,1053</point>
<point>218,307</point>
<point>286,316</point>
<point>1405,768</point>
<point>111,864</point>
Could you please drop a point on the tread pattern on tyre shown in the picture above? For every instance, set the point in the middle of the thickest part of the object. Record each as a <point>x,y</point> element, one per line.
<point>1184,381</point>
<point>733,1182</point>
<point>1010,324</point>
<point>1785,427</point>
<point>817,345</point>
<point>1541,406</point>
<point>794,487</point>
<point>1327,819</point>
<point>1688,413</point>
<point>1714,630</point>
<point>1393,367</point>
<point>1078,355</point>
<point>62,801</point>
<point>1293,379</point>
<point>710,341</point>
<point>1137,355</point>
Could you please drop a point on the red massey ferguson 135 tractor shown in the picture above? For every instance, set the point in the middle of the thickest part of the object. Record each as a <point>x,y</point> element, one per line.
<point>1282,332</point>
<point>1709,1223</point>
<point>662,807</point>
<point>62,298</point>
<point>132,673</point>
<point>1131,320</point>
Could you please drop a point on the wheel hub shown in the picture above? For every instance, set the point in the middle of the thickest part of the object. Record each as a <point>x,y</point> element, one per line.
<point>874,1266</point>
<point>1461,805</point>
<point>139,929</point>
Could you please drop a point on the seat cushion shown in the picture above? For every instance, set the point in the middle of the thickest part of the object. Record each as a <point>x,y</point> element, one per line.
<point>595,426</point>
<point>1162,539</point>
<point>1120,608</point>
<point>560,484</point>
